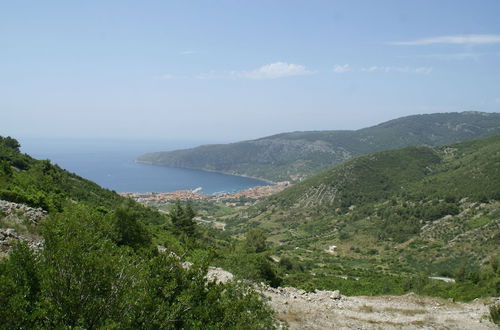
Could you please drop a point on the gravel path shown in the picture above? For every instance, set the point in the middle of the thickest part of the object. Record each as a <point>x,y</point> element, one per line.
<point>331,310</point>
<point>326,310</point>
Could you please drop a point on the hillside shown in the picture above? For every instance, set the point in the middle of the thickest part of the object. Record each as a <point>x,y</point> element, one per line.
<point>406,213</point>
<point>90,258</point>
<point>294,156</point>
<point>75,255</point>
<point>41,184</point>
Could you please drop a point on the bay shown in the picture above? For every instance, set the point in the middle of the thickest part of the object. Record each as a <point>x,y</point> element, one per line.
<point>110,163</point>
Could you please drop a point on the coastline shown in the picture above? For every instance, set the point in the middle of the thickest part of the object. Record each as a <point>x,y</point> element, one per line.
<point>254,193</point>
<point>207,170</point>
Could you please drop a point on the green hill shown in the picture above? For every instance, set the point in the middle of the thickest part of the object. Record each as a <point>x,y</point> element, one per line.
<point>38,183</point>
<point>294,156</point>
<point>426,211</point>
<point>96,263</point>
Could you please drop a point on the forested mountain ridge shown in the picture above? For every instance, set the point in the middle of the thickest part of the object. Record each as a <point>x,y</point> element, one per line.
<point>294,156</point>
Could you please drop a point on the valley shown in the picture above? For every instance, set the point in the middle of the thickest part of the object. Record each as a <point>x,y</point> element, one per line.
<point>250,165</point>
<point>379,230</point>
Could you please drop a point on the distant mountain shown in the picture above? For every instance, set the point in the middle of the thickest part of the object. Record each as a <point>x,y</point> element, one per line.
<point>294,156</point>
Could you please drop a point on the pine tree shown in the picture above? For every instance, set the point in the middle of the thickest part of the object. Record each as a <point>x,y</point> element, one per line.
<point>183,218</point>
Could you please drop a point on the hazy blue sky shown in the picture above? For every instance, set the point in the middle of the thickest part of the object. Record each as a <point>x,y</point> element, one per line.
<point>231,70</point>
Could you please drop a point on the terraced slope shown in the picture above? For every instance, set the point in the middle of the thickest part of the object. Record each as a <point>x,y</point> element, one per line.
<point>431,211</point>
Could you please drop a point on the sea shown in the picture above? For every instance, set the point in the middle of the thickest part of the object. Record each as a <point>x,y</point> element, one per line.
<point>110,163</point>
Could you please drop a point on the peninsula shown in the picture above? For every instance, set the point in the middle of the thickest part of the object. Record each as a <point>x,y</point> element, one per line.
<point>297,155</point>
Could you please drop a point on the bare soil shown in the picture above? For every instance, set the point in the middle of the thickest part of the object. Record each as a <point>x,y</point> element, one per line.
<point>319,310</point>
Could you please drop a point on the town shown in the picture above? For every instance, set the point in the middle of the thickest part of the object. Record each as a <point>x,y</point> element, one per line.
<point>247,196</point>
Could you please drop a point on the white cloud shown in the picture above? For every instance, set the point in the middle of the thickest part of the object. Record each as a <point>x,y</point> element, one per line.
<point>422,70</point>
<point>464,39</point>
<point>398,69</point>
<point>187,52</point>
<point>341,68</point>
<point>268,71</point>
<point>371,69</point>
<point>274,70</point>
<point>497,100</point>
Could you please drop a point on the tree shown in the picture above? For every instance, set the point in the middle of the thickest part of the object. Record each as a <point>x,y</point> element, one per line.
<point>19,288</point>
<point>130,230</point>
<point>10,143</point>
<point>178,298</point>
<point>83,280</point>
<point>255,241</point>
<point>189,211</point>
<point>5,168</point>
<point>183,218</point>
<point>88,281</point>
<point>176,214</point>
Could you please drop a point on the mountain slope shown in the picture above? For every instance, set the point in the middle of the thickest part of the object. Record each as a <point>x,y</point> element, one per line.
<point>430,181</point>
<point>433,211</point>
<point>468,169</point>
<point>293,156</point>
<point>38,183</point>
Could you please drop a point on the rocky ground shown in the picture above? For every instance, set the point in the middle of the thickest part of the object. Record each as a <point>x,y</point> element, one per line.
<point>332,310</point>
<point>16,220</point>
<point>21,212</point>
<point>9,237</point>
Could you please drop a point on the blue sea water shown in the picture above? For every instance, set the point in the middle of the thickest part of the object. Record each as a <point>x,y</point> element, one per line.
<point>110,163</point>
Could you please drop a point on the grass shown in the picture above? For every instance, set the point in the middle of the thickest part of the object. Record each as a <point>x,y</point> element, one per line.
<point>478,222</point>
<point>17,225</point>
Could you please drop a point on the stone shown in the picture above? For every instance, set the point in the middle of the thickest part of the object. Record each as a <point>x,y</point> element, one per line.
<point>335,295</point>
<point>11,232</point>
<point>219,275</point>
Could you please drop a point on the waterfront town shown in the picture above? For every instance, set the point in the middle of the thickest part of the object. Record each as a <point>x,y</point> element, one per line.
<point>248,196</point>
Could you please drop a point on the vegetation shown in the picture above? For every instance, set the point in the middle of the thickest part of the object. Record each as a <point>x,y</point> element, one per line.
<point>396,217</point>
<point>82,278</point>
<point>495,313</point>
<point>183,218</point>
<point>251,259</point>
<point>100,268</point>
<point>294,156</point>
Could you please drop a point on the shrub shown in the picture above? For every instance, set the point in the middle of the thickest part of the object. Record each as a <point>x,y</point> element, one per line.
<point>495,313</point>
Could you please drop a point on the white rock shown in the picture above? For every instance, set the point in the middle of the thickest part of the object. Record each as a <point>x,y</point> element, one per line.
<point>335,295</point>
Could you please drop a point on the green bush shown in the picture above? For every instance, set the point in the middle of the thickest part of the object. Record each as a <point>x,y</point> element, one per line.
<point>495,313</point>
<point>84,279</point>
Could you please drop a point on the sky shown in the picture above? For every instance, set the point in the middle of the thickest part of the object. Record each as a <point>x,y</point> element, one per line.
<point>221,71</point>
